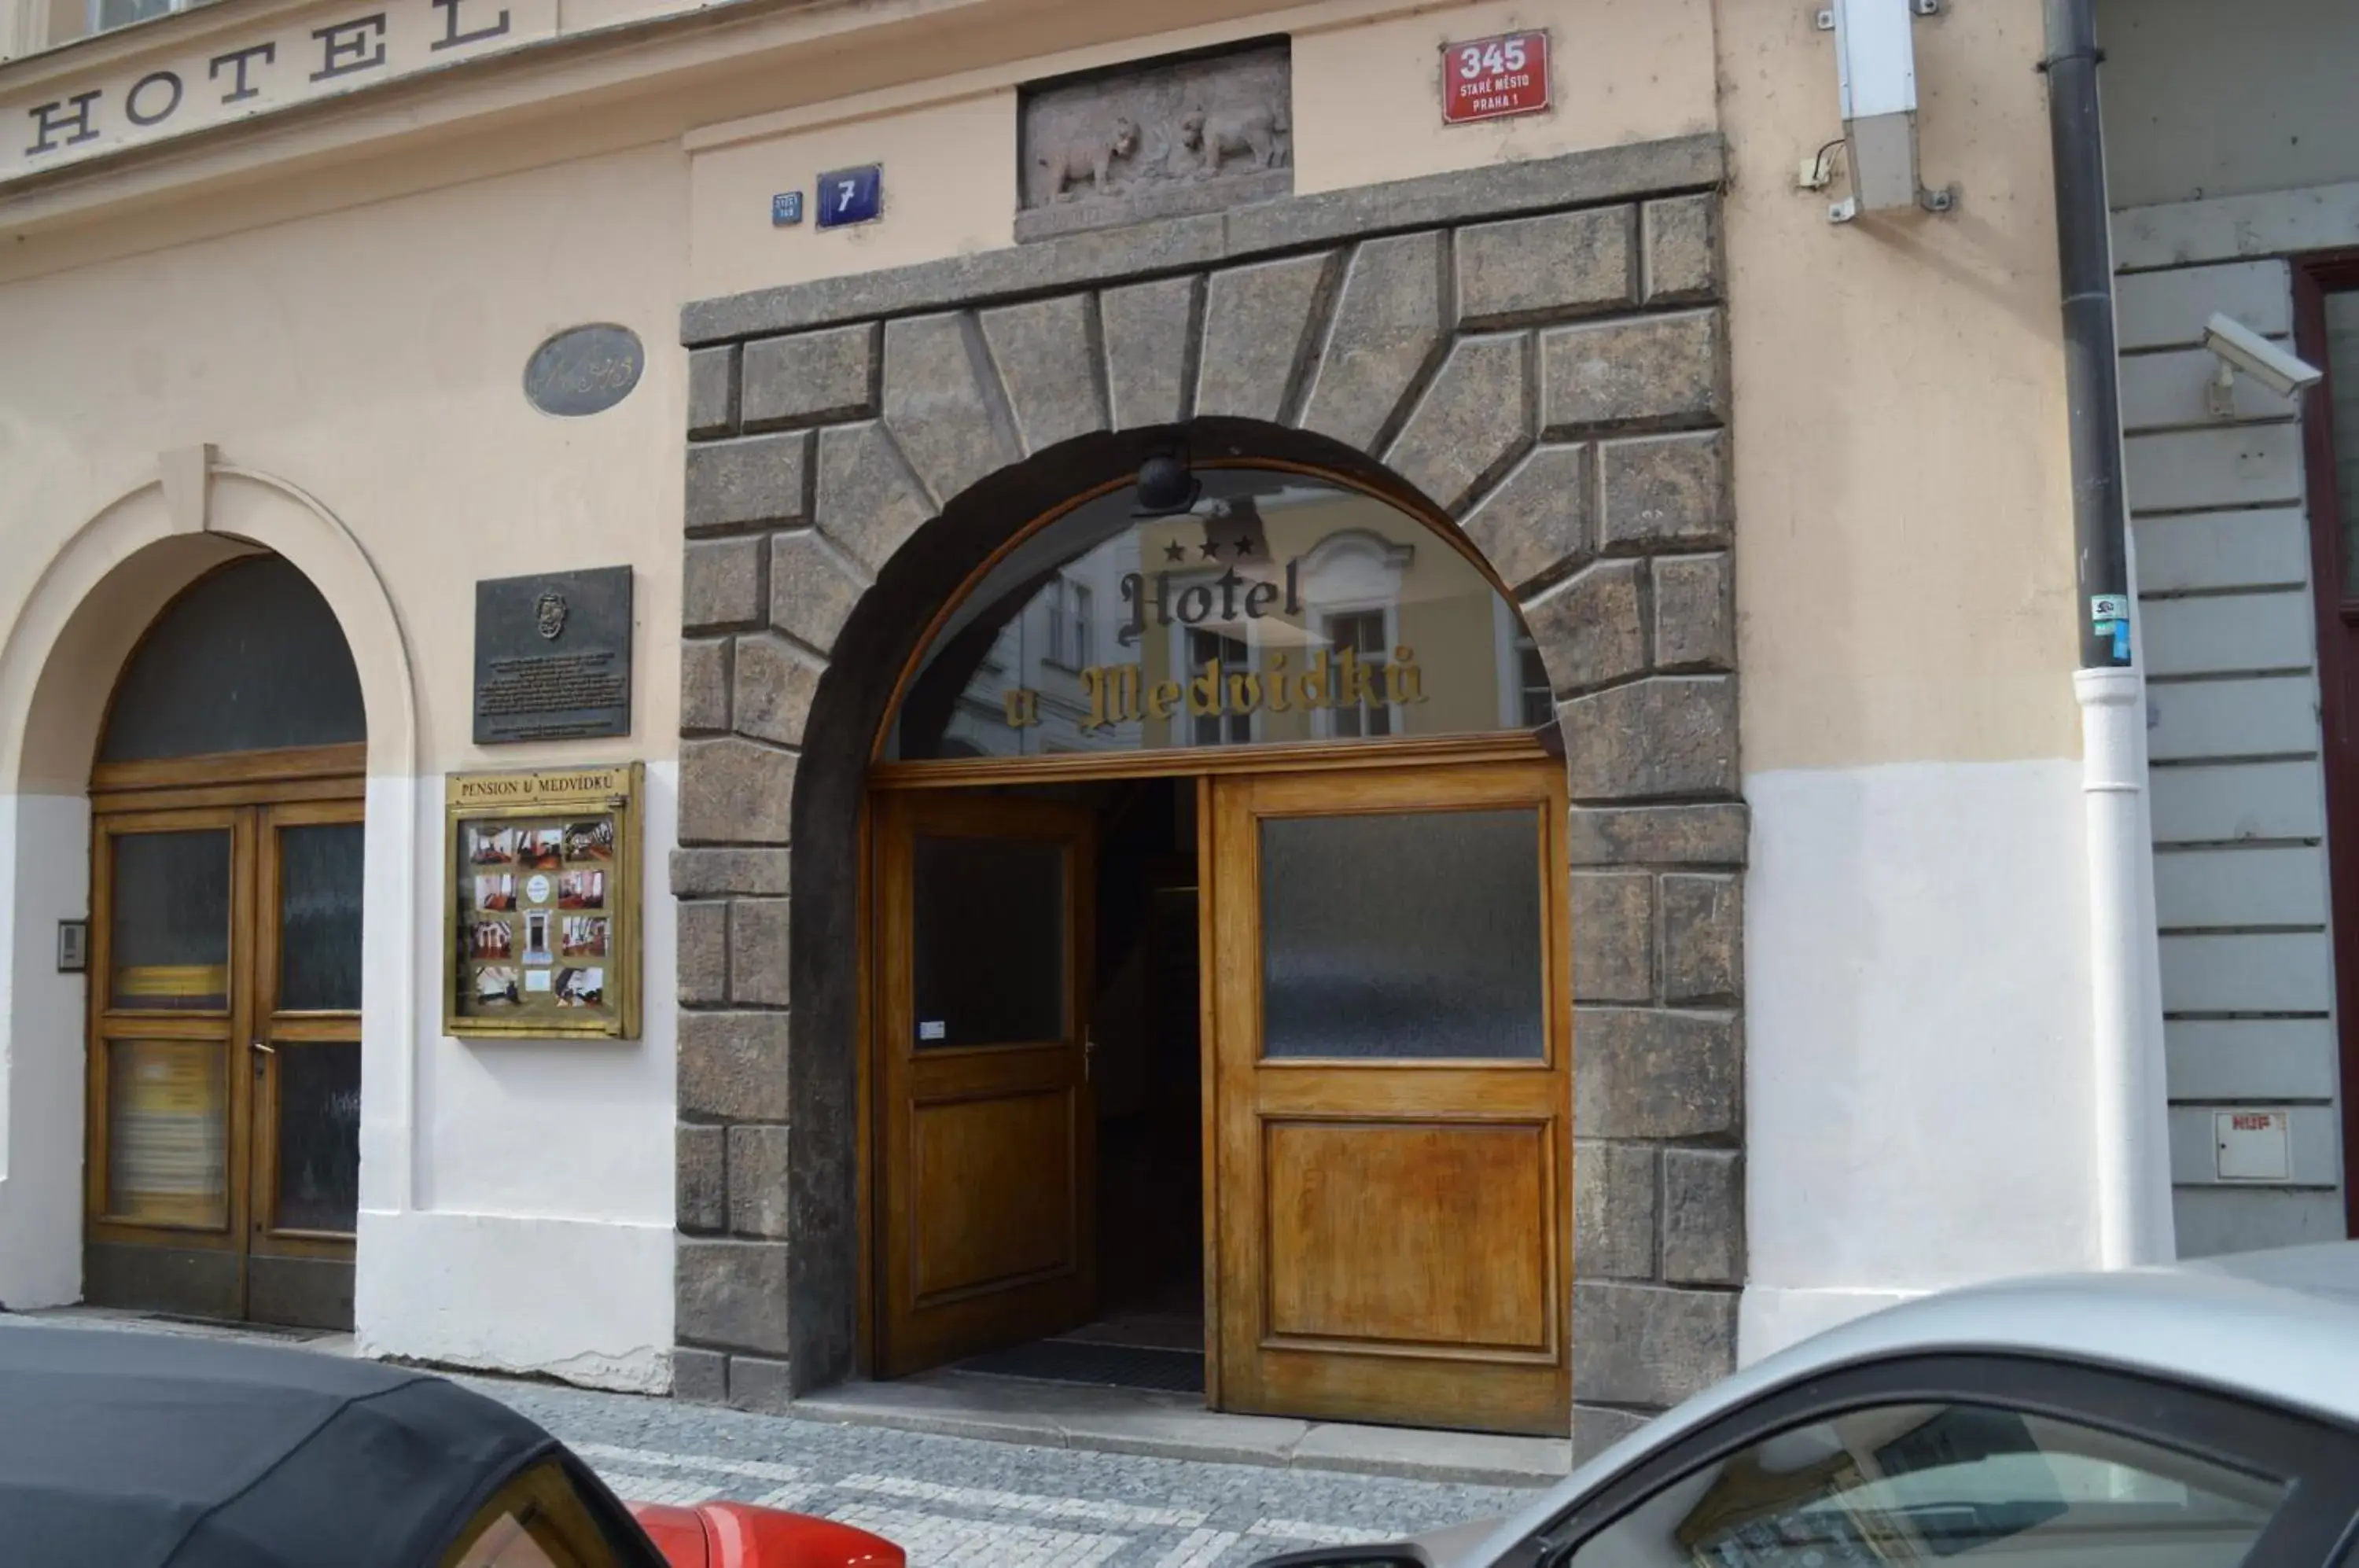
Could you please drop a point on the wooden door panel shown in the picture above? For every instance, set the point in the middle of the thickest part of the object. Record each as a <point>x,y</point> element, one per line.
<point>1393,1231</point>
<point>1410,1234</point>
<point>993,1190</point>
<point>985,1174</point>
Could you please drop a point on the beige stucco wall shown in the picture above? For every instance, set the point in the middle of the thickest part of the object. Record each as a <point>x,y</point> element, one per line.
<point>1903,490</point>
<point>373,357</point>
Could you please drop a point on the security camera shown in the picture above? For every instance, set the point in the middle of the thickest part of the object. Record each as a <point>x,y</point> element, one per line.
<point>2240,348</point>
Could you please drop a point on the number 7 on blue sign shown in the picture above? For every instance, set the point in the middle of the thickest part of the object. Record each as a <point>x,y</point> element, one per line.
<point>850,196</point>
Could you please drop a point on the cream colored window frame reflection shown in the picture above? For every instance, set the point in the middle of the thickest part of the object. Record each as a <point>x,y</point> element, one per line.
<point>1183,669</point>
<point>1350,572</point>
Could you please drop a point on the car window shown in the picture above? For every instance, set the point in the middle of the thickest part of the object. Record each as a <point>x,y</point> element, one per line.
<point>537,1520</point>
<point>1928,1483</point>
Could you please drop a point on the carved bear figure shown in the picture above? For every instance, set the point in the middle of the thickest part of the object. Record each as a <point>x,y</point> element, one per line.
<point>1086,156</point>
<point>1256,131</point>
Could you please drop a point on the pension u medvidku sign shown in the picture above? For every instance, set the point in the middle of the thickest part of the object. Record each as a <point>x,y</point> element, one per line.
<point>193,76</point>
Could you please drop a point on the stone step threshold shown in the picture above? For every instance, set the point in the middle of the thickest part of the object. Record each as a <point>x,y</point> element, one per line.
<point>1177,1426</point>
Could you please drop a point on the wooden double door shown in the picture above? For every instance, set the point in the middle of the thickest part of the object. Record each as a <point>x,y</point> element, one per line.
<point>1386,1057</point>
<point>225,1060</point>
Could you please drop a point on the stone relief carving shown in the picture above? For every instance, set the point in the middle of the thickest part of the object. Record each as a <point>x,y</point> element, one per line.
<point>1157,140</point>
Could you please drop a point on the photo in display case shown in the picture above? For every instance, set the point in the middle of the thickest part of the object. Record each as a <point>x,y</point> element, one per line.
<point>543,914</point>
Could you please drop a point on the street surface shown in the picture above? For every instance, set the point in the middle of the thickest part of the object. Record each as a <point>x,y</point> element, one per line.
<point>965,1503</point>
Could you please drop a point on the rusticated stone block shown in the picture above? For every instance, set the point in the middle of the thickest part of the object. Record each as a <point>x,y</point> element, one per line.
<point>1667,736</point>
<point>757,482</point>
<point>1703,938</point>
<point>703,934</point>
<point>1658,835</point>
<point>1256,322</point>
<point>1590,630</point>
<point>1695,611</point>
<point>735,791</point>
<point>867,501</point>
<point>1534,526</point>
<point>711,392</point>
<point>724,873</point>
<point>810,378</point>
<point>1148,328</point>
<point>721,584</point>
<point>1649,1346</point>
<point>699,1376</point>
<point>936,405</point>
<point>700,1177</point>
<point>757,1180</point>
<point>1682,250</point>
<point>1664,493</point>
<point>757,952</point>
<point>703,686</point>
<point>1596,1427</point>
<point>731,1294</point>
<point>1612,936</point>
<point>1656,370</point>
<point>761,1383</point>
<point>813,587</point>
<point>1530,270</point>
<point>1049,366</point>
<point>1704,1216</point>
<point>733,1066</point>
<point>1644,1073</point>
<point>1469,425</point>
<point>775,684</point>
<point>1389,325</point>
<point>1614,1211</point>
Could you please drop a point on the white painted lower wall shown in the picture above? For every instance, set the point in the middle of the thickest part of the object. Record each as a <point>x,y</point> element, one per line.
<point>536,1234</point>
<point>1918,1084</point>
<point>516,1195</point>
<point>45,867</point>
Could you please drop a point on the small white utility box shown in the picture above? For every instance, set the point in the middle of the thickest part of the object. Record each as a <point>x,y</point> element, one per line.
<point>2253,1146</point>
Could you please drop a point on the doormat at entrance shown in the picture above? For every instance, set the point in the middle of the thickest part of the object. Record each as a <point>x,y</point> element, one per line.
<point>1111,1365</point>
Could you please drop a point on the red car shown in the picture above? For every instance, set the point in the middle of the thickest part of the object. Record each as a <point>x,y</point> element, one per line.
<point>154,1450</point>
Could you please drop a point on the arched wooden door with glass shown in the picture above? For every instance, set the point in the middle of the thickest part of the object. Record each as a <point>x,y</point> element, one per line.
<point>1320,1006</point>
<point>224,1077</point>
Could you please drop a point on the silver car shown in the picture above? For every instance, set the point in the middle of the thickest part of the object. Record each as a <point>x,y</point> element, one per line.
<point>2197,1416</point>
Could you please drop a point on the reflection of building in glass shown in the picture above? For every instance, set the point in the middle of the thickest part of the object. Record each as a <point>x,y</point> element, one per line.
<point>1281,609</point>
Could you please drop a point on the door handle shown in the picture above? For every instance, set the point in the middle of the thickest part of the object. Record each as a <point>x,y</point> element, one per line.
<point>1089,1058</point>
<point>266,1050</point>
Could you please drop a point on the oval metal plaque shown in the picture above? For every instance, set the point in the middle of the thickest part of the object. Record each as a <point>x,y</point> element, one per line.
<point>584,370</point>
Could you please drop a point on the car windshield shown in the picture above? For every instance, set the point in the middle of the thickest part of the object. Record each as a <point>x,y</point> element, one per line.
<point>540,1519</point>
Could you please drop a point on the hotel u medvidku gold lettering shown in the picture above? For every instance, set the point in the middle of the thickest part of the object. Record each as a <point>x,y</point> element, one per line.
<point>1118,693</point>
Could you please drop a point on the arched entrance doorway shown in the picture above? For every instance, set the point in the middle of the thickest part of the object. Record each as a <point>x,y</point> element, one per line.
<point>222,1155</point>
<point>1221,1019</point>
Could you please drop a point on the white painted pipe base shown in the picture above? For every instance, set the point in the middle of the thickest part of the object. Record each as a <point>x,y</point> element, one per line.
<point>2132,1128</point>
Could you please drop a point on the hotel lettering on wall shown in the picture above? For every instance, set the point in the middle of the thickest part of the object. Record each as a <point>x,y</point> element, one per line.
<point>314,53</point>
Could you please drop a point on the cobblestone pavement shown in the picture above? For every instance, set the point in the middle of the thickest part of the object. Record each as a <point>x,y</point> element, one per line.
<point>964,1503</point>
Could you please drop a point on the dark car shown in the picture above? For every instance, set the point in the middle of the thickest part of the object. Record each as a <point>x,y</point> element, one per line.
<point>150,1451</point>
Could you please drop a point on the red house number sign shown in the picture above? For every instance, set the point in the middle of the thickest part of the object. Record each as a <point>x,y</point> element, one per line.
<point>1490,79</point>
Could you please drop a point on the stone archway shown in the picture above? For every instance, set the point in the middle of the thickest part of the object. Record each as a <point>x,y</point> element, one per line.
<point>1540,359</point>
<point>88,606</point>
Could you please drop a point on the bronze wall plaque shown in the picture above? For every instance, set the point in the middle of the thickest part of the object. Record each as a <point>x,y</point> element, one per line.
<point>1159,139</point>
<point>553,657</point>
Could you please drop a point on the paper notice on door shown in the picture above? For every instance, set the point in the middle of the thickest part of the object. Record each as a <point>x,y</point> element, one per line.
<point>933,1029</point>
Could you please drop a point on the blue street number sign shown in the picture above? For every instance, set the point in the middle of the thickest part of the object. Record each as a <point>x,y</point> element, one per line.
<point>787,208</point>
<point>849,196</point>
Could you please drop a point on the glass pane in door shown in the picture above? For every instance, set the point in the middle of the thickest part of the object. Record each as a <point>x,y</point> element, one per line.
<point>168,1132</point>
<point>319,1136</point>
<point>169,907</point>
<point>1403,935</point>
<point>319,918</point>
<point>988,950</point>
<point>2343,371</point>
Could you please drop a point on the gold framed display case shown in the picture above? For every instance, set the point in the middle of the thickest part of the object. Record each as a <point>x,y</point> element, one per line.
<point>541,917</point>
